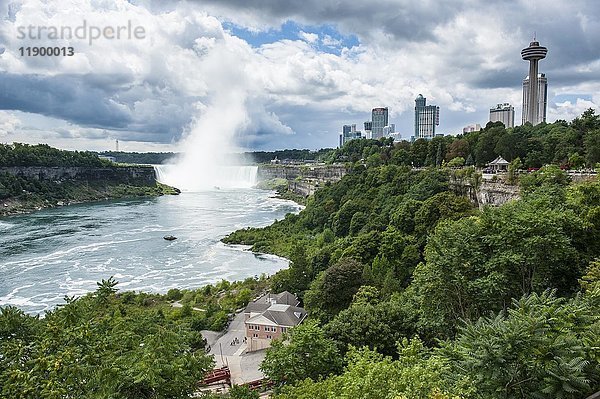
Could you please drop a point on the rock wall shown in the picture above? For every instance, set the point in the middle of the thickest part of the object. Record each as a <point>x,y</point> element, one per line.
<point>486,192</point>
<point>303,179</point>
<point>323,173</point>
<point>135,175</point>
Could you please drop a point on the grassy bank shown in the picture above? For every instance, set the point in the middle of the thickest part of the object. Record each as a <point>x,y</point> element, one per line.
<point>21,194</point>
<point>281,187</point>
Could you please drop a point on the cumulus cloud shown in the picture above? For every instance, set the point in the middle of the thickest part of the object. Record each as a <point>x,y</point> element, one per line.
<point>462,55</point>
<point>309,37</point>
<point>9,123</point>
<point>568,110</point>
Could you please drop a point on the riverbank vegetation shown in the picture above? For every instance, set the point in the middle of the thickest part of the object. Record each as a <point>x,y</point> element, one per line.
<point>23,189</point>
<point>424,296</point>
<point>18,154</point>
<point>23,194</point>
<point>117,344</point>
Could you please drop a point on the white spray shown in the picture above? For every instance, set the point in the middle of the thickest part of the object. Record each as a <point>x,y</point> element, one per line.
<point>205,163</point>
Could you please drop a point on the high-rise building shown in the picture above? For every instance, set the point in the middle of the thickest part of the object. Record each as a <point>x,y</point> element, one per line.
<point>504,113</point>
<point>542,99</point>
<point>349,132</point>
<point>427,117</point>
<point>379,120</point>
<point>472,128</point>
<point>389,129</point>
<point>532,95</point>
<point>368,127</point>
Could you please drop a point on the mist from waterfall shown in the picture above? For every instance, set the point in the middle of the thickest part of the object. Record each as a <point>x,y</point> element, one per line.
<point>223,176</point>
<point>206,161</point>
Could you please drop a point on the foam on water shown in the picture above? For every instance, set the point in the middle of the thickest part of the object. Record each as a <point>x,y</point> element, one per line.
<point>221,177</point>
<point>39,265</point>
<point>5,226</point>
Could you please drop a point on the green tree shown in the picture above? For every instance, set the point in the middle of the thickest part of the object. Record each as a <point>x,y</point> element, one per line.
<point>303,353</point>
<point>534,350</point>
<point>242,392</point>
<point>334,288</point>
<point>369,375</point>
<point>592,147</point>
<point>456,162</point>
<point>377,325</point>
<point>297,277</point>
<point>98,349</point>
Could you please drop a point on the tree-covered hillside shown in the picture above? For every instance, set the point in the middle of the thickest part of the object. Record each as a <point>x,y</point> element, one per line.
<point>111,344</point>
<point>418,294</point>
<point>18,154</point>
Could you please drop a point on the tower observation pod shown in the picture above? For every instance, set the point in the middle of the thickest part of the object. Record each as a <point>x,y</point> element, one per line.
<point>533,54</point>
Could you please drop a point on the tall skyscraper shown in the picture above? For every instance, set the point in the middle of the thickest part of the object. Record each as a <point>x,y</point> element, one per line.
<point>542,101</point>
<point>472,128</point>
<point>379,120</point>
<point>349,132</point>
<point>504,113</point>
<point>427,117</point>
<point>389,129</point>
<point>531,96</point>
<point>368,127</point>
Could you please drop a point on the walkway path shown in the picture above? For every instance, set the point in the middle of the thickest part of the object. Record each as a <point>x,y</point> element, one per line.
<point>229,349</point>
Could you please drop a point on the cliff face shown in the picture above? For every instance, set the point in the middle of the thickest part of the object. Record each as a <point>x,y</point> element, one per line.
<point>322,173</point>
<point>25,189</point>
<point>303,179</point>
<point>135,175</point>
<point>486,192</point>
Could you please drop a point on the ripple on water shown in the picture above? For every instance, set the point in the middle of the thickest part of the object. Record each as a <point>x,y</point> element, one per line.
<point>5,226</point>
<point>65,251</point>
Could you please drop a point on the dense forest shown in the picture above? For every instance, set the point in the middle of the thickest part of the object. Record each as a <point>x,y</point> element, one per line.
<point>19,154</point>
<point>142,158</point>
<point>157,158</point>
<point>322,155</point>
<point>24,192</point>
<point>414,293</point>
<point>111,344</point>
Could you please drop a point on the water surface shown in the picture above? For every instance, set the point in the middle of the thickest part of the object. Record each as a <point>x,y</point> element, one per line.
<point>65,251</point>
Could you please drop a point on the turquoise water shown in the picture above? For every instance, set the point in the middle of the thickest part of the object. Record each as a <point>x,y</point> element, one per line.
<point>65,251</point>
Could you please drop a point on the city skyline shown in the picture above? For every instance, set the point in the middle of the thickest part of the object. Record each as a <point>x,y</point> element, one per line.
<point>299,72</point>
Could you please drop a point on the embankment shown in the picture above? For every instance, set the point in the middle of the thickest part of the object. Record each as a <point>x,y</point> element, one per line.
<point>302,179</point>
<point>28,188</point>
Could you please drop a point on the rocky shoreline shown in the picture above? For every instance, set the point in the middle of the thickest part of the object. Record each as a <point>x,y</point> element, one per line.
<point>81,193</point>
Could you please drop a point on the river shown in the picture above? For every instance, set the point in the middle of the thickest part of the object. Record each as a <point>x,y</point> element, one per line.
<point>65,251</point>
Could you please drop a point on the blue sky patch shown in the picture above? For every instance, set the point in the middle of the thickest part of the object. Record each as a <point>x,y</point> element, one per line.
<point>561,98</point>
<point>330,40</point>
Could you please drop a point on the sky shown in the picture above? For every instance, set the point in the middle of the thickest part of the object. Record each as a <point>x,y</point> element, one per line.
<point>297,70</point>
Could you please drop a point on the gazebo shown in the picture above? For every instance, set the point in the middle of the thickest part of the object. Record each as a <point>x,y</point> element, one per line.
<point>498,165</point>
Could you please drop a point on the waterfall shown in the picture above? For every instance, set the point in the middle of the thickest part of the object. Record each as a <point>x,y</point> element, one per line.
<point>219,177</point>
